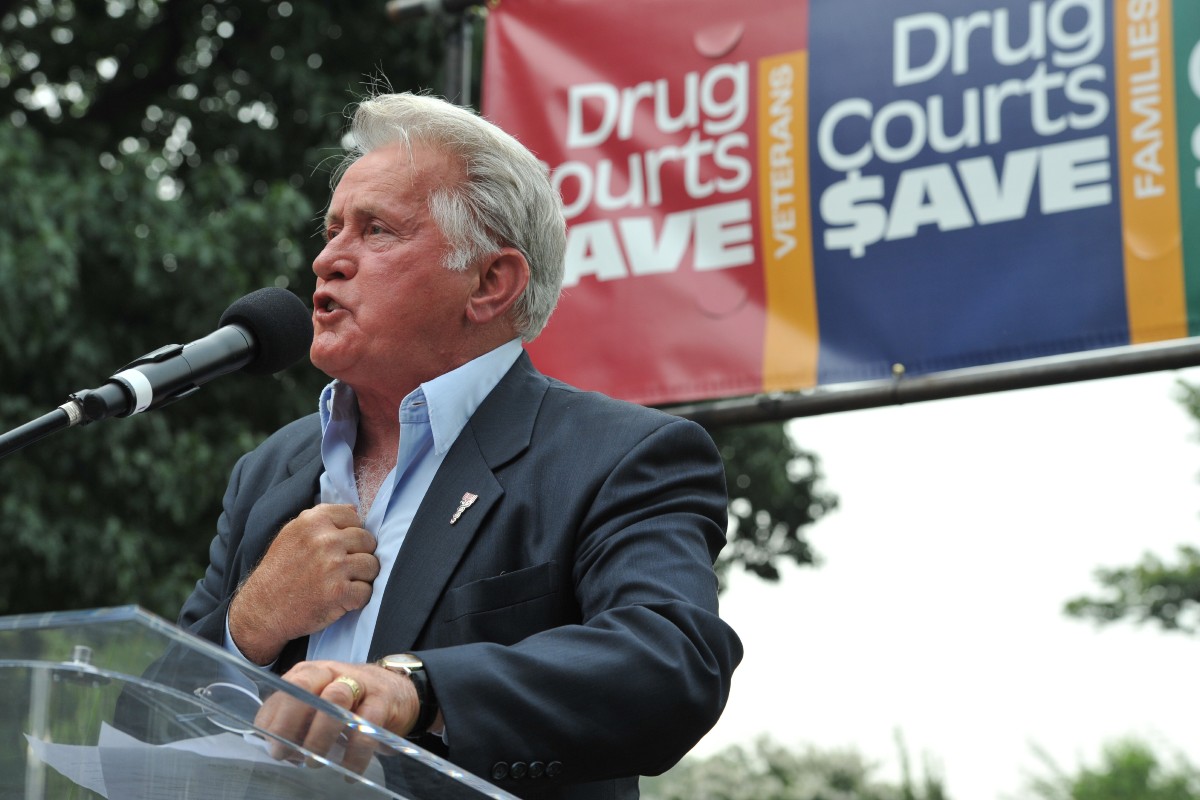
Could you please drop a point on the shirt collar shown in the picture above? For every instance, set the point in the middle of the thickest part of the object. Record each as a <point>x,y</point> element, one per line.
<point>448,399</point>
<point>454,396</point>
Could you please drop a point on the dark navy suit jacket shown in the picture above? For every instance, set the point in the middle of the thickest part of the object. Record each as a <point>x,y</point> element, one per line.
<point>568,619</point>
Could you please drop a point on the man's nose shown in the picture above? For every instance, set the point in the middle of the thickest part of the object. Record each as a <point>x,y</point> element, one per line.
<point>334,262</point>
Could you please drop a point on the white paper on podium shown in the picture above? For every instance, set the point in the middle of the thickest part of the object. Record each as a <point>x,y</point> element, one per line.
<point>79,764</point>
<point>226,766</point>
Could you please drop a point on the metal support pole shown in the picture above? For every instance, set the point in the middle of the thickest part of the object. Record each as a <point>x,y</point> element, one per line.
<point>457,42</point>
<point>1110,363</point>
<point>456,63</point>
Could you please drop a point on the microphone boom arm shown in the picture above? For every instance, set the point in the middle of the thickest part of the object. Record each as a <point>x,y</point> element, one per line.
<point>67,415</point>
<point>131,390</point>
<point>263,332</point>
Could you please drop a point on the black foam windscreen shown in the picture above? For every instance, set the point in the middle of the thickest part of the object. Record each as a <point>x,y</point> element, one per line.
<point>280,324</point>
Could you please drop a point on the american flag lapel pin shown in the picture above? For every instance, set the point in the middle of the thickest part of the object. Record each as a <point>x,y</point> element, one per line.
<point>463,505</point>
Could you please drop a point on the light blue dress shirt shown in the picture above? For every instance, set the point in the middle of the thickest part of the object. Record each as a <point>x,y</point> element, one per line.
<point>431,418</point>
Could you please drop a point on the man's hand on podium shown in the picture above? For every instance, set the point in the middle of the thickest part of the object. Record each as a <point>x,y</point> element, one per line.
<point>384,698</point>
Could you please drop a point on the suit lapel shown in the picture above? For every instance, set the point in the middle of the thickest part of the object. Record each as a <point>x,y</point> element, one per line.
<point>285,500</point>
<point>499,431</point>
<point>432,548</point>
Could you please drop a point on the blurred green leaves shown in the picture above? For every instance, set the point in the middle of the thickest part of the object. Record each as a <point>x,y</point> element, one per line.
<point>1154,590</point>
<point>1129,769</point>
<point>776,492</point>
<point>159,160</point>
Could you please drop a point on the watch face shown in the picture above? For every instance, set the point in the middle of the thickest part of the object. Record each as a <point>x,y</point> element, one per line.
<point>405,661</point>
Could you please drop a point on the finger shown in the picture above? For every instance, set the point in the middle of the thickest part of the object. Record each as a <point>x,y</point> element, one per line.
<point>341,515</point>
<point>341,692</point>
<point>373,706</point>
<point>359,749</point>
<point>324,730</point>
<point>357,540</point>
<point>362,567</point>
<point>286,719</point>
<point>355,595</point>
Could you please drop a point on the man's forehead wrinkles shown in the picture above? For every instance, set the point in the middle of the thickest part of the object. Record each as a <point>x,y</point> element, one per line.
<point>397,191</point>
<point>353,208</point>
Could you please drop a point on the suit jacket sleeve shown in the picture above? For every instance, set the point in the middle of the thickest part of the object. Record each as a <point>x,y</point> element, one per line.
<point>644,671</point>
<point>268,487</point>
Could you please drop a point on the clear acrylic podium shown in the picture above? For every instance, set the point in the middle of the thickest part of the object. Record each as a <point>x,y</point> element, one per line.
<point>120,704</point>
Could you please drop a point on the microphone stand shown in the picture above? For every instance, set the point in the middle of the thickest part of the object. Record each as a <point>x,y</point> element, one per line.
<point>67,415</point>
<point>91,405</point>
<point>267,329</point>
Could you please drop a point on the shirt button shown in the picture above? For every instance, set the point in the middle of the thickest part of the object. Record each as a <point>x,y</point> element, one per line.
<point>518,769</point>
<point>536,769</point>
<point>554,769</point>
<point>499,771</point>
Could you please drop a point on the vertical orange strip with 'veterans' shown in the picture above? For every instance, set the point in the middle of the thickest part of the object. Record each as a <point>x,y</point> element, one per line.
<point>791,337</point>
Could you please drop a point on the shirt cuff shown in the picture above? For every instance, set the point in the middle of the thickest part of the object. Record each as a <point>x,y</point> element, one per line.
<point>232,647</point>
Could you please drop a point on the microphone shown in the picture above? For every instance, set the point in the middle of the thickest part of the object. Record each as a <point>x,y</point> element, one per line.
<point>263,332</point>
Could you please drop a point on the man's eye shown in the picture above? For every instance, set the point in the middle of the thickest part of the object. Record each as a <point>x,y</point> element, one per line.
<point>374,229</point>
<point>330,233</point>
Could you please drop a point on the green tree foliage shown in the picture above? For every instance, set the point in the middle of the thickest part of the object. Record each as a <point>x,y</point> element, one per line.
<point>770,771</point>
<point>1149,591</point>
<point>1129,769</point>
<point>777,492</point>
<point>161,159</point>
<point>1153,590</point>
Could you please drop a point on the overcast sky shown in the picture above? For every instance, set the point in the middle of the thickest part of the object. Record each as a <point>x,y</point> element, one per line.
<point>964,526</point>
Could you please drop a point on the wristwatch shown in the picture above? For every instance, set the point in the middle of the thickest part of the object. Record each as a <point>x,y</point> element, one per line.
<point>414,668</point>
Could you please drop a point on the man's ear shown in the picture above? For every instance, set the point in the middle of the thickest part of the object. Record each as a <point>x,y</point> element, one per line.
<point>503,277</point>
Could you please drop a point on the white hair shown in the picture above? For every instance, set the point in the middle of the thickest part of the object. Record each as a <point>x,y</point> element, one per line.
<point>505,199</point>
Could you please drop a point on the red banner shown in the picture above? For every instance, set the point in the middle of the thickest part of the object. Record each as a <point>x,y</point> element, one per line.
<point>647,114</point>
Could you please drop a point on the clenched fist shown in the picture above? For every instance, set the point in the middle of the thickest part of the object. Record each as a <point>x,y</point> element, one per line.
<point>319,567</point>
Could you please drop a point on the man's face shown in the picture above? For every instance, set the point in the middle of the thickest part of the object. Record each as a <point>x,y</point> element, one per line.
<point>386,313</point>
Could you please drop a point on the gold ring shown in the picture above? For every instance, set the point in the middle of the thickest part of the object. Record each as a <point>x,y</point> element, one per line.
<point>356,689</point>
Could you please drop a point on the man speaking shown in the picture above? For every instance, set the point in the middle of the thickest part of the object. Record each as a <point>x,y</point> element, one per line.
<point>515,573</point>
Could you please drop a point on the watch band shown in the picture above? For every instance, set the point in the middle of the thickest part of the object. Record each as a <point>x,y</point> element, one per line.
<point>427,706</point>
<point>426,702</point>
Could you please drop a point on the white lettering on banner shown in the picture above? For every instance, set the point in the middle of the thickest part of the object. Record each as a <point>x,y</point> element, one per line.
<point>583,186</point>
<point>926,124</point>
<point>1069,176</point>
<point>952,39</point>
<point>721,237</point>
<point>781,180</point>
<point>707,156</point>
<point>1146,98</point>
<point>702,106</point>
<point>715,104</point>
<point>1060,91</point>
